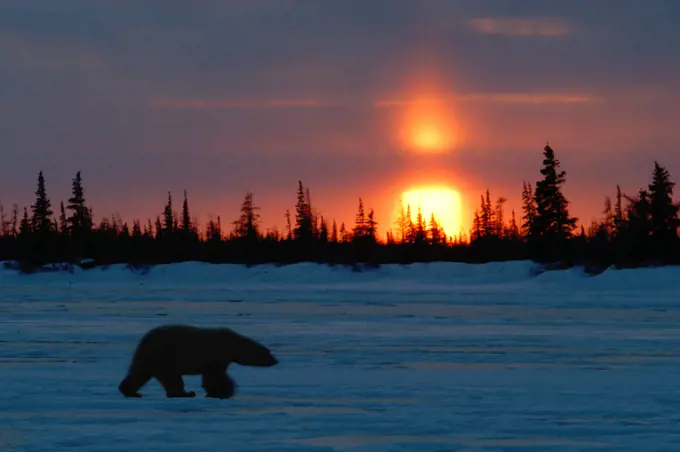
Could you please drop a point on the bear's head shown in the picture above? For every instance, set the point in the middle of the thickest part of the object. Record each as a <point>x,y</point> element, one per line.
<point>251,353</point>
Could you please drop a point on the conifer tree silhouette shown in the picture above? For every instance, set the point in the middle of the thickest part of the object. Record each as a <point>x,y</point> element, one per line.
<point>80,220</point>
<point>160,229</point>
<point>25,225</point>
<point>186,226</point>
<point>420,228</point>
<point>663,212</point>
<point>619,213</point>
<point>514,229</point>
<point>136,229</point>
<point>529,209</point>
<point>499,218</point>
<point>410,227</point>
<point>303,217</point>
<point>552,219</point>
<point>63,224</point>
<point>289,227</point>
<point>247,226</point>
<point>371,227</point>
<point>168,218</point>
<point>434,231</point>
<point>334,232</point>
<point>609,224</point>
<point>345,235</point>
<point>476,226</point>
<point>42,210</point>
<point>3,221</point>
<point>359,222</point>
<point>15,220</point>
<point>323,230</point>
<point>639,212</point>
<point>487,216</point>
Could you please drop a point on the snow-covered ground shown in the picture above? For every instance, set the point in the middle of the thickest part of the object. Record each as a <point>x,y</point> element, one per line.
<point>438,357</point>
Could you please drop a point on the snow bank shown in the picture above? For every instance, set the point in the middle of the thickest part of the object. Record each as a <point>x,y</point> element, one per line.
<point>392,277</point>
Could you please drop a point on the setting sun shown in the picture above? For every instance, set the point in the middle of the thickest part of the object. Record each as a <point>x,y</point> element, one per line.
<point>444,202</point>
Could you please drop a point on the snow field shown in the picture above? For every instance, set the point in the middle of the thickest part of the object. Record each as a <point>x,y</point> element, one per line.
<point>431,357</point>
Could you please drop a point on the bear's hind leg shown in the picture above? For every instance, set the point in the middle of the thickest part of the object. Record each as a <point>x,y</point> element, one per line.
<point>174,386</point>
<point>218,385</point>
<point>132,383</point>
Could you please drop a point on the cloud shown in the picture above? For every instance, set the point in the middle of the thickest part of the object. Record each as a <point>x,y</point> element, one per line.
<point>517,26</point>
<point>311,103</point>
<point>507,98</point>
<point>237,104</point>
<point>531,98</point>
<point>28,54</point>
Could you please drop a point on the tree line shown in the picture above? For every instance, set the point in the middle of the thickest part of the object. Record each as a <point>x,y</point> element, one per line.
<point>634,230</point>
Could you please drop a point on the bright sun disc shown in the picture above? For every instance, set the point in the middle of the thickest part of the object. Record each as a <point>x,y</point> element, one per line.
<point>445,203</point>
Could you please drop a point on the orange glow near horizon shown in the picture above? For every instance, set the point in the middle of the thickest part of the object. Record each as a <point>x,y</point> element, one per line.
<point>444,202</point>
<point>427,126</point>
<point>427,120</point>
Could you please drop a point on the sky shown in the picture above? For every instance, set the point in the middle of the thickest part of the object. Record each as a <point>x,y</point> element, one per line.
<point>221,97</point>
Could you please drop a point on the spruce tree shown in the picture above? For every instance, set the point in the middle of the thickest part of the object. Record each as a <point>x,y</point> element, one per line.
<point>25,225</point>
<point>359,221</point>
<point>609,223</point>
<point>514,229</point>
<point>168,218</point>
<point>303,217</point>
<point>488,221</point>
<point>552,219</point>
<point>401,222</point>
<point>80,220</point>
<point>410,229</point>
<point>334,232</point>
<point>15,220</point>
<point>247,226</point>
<point>500,217</point>
<point>344,235</point>
<point>148,229</point>
<point>313,217</point>
<point>289,227</point>
<point>371,227</point>
<point>640,216</point>
<point>529,209</point>
<point>63,223</point>
<point>323,230</point>
<point>136,229</point>
<point>476,226</point>
<point>435,231</point>
<point>3,221</point>
<point>663,212</point>
<point>42,210</point>
<point>420,228</point>
<point>214,232</point>
<point>124,231</point>
<point>186,217</point>
<point>619,217</point>
<point>159,226</point>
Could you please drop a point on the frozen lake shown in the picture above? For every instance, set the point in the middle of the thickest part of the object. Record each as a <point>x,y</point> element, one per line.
<point>432,358</point>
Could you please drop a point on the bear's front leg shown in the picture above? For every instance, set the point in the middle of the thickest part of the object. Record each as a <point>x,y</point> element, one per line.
<point>174,385</point>
<point>132,383</point>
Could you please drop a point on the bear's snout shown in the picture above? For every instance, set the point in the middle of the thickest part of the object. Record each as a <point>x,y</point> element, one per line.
<point>272,360</point>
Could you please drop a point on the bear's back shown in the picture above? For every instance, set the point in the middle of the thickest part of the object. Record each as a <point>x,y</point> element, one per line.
<point>182,348</point>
